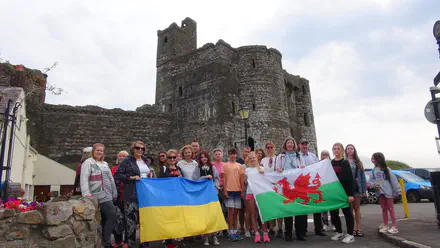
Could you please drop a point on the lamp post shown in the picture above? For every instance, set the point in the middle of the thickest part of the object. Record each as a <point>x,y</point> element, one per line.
<point>244,115</point>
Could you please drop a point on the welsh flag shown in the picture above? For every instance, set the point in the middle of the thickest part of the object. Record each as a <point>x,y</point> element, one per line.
<point>313,189</point>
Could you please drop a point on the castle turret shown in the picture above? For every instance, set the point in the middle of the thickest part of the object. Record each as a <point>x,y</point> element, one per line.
<point>175,41</point>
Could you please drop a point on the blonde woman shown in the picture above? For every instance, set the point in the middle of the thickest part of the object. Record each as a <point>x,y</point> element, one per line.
<point>189,167</point>
<point>97,182</point>
<point>253,166</point>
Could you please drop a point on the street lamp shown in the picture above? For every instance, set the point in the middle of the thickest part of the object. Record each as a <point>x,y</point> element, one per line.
<point>436,33</point>
<point>244,115</point>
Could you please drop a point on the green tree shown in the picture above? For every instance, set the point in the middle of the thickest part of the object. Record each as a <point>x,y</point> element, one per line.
<point>396,165</point>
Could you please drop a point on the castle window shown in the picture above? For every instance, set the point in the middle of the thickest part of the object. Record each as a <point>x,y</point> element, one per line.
<point>253,106</point>
<point>163,108</point>
<point>170,108</point>
<point>233,107</point>
<point>253,64</point>
<point>306,120</point>
<point>165,40</point>
<point>180,91</point>
<point>304,89</point>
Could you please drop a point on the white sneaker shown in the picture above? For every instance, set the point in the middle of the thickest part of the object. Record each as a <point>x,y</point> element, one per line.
<point>384,229</point>
<point>348,239</point>
<point>247,234</point>
<point>325,228</point>
<point>338,236</point>
<point>393,230</point>
<point>206,242</point>
<point>216,241</point>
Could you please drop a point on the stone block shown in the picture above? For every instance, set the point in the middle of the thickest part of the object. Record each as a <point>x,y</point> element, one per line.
<point>17,232</point>
<point>56,232</point>
<point>5,225</point>
<point>6,213</point>
<point>65,242</point>
<point>56,213</point>
<point>87,239</point>
<point>77,226</point>
<point>83,209</point>
<point>32,217</point>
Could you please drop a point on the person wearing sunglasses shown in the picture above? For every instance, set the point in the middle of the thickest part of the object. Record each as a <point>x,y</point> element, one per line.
<point>172,169</point>
<point>132,169</point>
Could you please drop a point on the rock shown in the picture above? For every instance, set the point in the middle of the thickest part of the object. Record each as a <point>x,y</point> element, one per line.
<point>83,209</point>
<point>60,198</point>
<point>5,225</point>
<point>31,217</point>
<point>65,242</point>
<point>57,212</point>
<point>56,232</point>
<point>77,226</point>
<point>6,213</point>
<point>17,232</point>
<point>92,225</point>
<point>98,217</point>
<point>87,239</point>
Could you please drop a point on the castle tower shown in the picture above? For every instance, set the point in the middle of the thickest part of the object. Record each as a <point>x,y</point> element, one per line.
<point>175,41</point>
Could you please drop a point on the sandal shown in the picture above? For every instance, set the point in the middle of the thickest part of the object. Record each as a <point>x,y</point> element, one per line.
<point>355,233</point>
<point>359,233</point>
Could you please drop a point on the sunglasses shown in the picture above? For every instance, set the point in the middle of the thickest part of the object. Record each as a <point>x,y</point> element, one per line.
<point>140,148</point>
<point>269,147</point>
<point>162,156</point>
<point>173,157</point>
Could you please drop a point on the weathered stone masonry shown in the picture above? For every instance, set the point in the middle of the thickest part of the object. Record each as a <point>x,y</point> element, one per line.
<point>198,94</point>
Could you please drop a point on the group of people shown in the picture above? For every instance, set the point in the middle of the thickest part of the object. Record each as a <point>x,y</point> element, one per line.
<point>115,189</point>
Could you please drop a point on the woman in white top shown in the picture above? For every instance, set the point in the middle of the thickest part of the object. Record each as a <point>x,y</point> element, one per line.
<point>190,168</point>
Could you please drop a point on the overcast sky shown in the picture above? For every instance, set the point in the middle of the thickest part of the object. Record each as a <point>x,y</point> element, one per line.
<point>370,63</point>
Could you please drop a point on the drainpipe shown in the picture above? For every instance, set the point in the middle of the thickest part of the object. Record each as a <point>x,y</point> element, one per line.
<point>4,136</point>
<point>23,173</point>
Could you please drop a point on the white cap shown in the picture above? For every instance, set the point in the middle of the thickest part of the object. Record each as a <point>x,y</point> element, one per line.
<point>88,149</point>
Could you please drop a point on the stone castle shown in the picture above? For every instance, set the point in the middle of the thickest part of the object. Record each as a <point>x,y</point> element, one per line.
<point>198,94</point>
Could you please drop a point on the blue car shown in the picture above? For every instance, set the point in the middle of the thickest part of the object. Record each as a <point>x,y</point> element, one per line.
<point>416,187</point>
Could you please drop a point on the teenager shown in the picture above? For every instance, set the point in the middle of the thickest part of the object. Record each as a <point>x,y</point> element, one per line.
<point>120,223</point>
<point>327,226</point>
<point>234,191</point>
<point>343,172</point>
<point>290,159</point>
<point>252,166</point>
<point>386,185</point>
<point>360,186</point>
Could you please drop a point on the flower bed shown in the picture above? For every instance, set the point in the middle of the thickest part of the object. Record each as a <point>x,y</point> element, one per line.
<point>21,205</point>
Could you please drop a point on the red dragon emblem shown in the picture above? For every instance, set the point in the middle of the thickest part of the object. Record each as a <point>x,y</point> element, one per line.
<point>301,190</point>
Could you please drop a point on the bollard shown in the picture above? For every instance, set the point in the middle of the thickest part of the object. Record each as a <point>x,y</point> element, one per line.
<point>435,183</point>
<point>404,200</point>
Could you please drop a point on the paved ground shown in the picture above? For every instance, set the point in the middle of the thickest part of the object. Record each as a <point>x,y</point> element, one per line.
<point>421,228</point>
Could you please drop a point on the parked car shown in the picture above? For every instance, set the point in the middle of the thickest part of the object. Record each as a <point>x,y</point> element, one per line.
<point>416,187</point>
<point>422,172</point>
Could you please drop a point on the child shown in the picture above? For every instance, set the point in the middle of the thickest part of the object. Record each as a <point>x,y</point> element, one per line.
<point>387,186</point>
<point>207,171</point>
<point>253,166</point>
<point>233,186</point>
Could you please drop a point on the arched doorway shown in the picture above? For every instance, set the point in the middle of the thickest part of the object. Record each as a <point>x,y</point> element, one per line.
<point>251,143</point>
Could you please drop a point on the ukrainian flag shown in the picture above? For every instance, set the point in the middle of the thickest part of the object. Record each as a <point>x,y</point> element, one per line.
<point>177,207</point>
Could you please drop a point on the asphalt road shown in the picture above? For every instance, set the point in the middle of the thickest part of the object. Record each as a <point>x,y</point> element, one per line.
<point>371,219</point>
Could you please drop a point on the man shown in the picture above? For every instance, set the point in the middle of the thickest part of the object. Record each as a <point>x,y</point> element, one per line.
<point>196,147</point>
<point>162,163</point>
<point>245,152</point>
<point>309,159</point>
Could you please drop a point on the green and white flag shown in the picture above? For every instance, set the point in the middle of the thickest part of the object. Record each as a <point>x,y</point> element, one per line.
<point>313,189</point>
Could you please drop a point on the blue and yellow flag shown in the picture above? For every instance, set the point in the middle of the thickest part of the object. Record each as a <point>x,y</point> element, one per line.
<point>177,207</point>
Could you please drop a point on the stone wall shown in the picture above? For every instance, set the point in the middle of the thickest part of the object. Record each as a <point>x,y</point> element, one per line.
<point>61,222</point>
<point>67,130</point>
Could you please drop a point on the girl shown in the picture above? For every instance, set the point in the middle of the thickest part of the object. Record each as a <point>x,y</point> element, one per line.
<point>326,227</point>
<point>260,155</point>
<point>387,186</point>
<point>345,176</point>
<point>207,171</point>
<point>360,185</point>
<point>97,182</point>
<point>252,165</point>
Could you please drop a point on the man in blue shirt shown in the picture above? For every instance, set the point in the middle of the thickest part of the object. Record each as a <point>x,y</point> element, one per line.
<point>309,159</point>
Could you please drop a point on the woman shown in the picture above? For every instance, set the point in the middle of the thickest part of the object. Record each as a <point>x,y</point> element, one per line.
<point>343,172</point>
<point>190,168</point>
<point>120,223</point>
<point>260,155</point>
<point>208,171</point>
<point>132,169</point>
<point>97,182</point>
<point>326,227</point>
<point>360,185</point>
<point>87,153</point>
<point>288,160</point>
